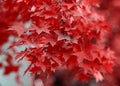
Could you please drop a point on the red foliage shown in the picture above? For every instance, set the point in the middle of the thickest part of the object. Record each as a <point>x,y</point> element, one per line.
<point>66,34</point>
<point>111,10</point>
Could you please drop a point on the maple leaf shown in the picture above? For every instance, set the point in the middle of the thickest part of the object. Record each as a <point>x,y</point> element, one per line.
<point>10,68</point>
<point>18,28</point>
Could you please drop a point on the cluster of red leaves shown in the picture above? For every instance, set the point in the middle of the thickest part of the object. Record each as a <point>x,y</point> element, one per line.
<point>9,66</point>
<point>66,34</point>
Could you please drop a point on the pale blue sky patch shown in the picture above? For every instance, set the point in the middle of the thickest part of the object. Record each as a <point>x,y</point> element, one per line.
<point>28,24</point>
